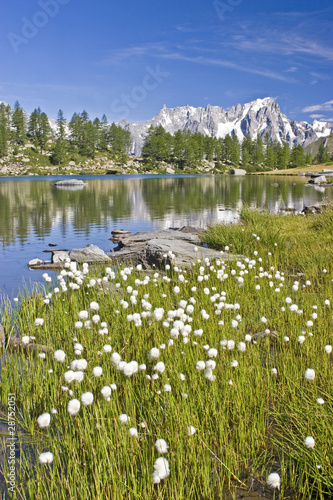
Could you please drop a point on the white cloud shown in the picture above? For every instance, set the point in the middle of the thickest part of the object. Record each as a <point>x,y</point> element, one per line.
<point>326,106</point>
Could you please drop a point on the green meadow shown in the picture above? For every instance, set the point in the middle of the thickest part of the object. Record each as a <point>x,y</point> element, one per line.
<point>229,363</point>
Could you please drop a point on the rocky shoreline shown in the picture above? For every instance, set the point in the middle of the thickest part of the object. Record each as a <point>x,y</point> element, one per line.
<point>150,249</point>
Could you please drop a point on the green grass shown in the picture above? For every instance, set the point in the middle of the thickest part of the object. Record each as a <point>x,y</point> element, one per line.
<point>299,244</point>
<point>249,421</point>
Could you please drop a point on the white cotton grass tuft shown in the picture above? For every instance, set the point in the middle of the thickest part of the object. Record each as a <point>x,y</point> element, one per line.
<point>154,353</point>
<point>159,367</point>
<point>191,430</point>
<point>328,349</point>
<point>161,470</point>
<point>94,306</point>
<point>44,420</point>
<point>320,401</point>
<point>39,322</point>
<point>97,371</point>
<point>309,442</point>
<point>87,398</point>
<point>106,391</point>
<point>45,458</point>
<point>161,446</point>
<point>123,418</point>
<point>73,406</point>
<point>273,480</point>
<point>201,365</point>
<point>133,432</point>
<point>309,374</point>
<point>59,355</point>
<point>212,352</point>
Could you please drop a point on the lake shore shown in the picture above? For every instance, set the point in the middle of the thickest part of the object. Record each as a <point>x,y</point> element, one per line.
<point>135,165</point>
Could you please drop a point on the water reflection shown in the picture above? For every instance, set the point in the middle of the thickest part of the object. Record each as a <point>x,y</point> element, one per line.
<point>34,212</point>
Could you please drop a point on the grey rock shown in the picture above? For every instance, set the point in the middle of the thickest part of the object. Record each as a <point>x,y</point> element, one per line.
<point>89,253</point>
<point>184,252</point>
<point>59,256</point>
<point>35,262</point>
<point>167,234</point>
<point>318,179</point>
<point>153,248</point>
<point>169,170</point>
<point>237,171</point>
<point>70,182</point>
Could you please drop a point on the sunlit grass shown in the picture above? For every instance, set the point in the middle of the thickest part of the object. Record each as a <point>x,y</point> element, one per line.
<point>251,413</point>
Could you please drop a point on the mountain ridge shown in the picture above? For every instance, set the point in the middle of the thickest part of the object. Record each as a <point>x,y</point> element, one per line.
<point>256,117</point>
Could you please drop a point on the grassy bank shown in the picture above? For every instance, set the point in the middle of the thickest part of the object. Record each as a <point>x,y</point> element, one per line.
<point>299,170</point>
<point>215,361</point>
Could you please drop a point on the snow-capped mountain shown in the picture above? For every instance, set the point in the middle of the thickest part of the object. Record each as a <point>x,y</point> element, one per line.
<point>256,117</point>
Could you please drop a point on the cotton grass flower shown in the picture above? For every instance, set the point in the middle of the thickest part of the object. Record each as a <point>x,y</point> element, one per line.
<point>123,418</point>
<point>79,364</point>
<point>97,371</point>
<point>133,432</point>
<point>273,480</point>
<point>241,347</point>
<point>191,430</point>
<point>60,355</point>
<point>44,420</point>
<point>320,401</point>
<point>328,349</point>
<point>159,367</point>
<point>309,374</point>
<point>39,322</point>
<point>309,442</point>
<point>212,353</point>
<point>45,458</point>
<point>87,398</point>
<point>106,391</point>
<point>130,368</point>
<point>94,306</point>
<point>201,365</point>
<point>69,376</point>
<point>154,353</point>
<point>79,376</point>
<point>161,446</point>
<point>73,406</point>
<point>161,470</point>
<point>83,315</point>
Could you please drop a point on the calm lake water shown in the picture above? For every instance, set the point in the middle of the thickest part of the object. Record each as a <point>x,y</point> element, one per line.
<point>34,213</point>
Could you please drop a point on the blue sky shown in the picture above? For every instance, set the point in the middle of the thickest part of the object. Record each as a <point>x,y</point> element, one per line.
<point>128,58</point>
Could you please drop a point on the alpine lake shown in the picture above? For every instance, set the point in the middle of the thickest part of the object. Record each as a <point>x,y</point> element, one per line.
<point>35,214</point>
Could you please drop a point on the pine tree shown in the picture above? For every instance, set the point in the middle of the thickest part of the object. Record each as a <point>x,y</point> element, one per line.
<point>39,129</point>
<point>157,146</point>
<point>284,156</point>
<point>61,121</point>
<point>323,154</point>
<point>103,140</point>
<point>235,151</point>
<point>258,151</point>
<point>297,156</point>
<point>59,152</point>
<point>179,148</point>
<point>4,132</point>
<point>19,125</point>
